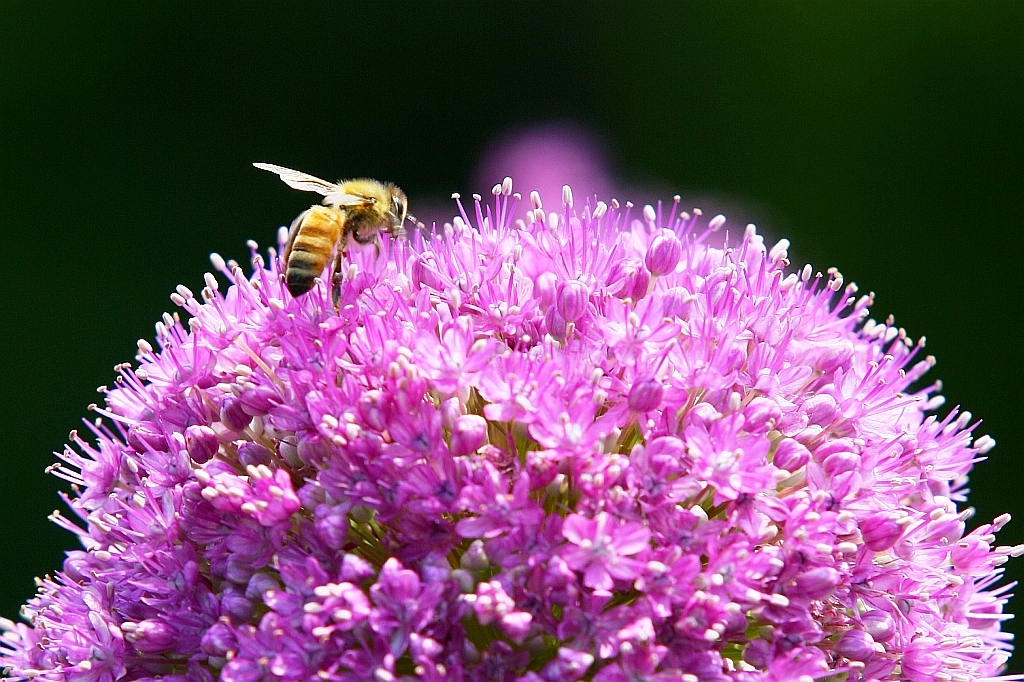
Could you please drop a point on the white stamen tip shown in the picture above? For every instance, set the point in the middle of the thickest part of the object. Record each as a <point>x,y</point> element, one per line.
<point>506,186</point>
<point>779,250</point>
<point>715,223</point>
<point>567,196</point>
<point>984,444</point>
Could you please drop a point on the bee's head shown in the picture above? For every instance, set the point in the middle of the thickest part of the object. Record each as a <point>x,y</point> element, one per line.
<point>399,209</point>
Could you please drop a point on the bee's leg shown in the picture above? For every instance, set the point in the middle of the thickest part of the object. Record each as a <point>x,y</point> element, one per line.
<point>336,279</point>
<point>368,239</point>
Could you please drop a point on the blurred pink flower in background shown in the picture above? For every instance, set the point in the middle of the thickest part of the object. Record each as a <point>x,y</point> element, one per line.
<point>546,157</point>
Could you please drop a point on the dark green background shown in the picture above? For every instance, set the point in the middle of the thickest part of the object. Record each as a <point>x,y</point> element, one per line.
<point>883,138</point>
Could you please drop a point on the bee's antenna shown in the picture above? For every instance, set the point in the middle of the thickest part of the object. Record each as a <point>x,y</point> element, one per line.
<point>411,219</point>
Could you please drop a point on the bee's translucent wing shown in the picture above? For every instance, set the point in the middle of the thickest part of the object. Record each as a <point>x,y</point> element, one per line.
<point>333,196</point>
<point>299,180</point>
<point>341,199</point>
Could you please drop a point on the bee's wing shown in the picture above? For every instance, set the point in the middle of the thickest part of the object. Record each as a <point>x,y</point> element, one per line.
<point>339,198</point>
<point>299,180</point>
<point>310,183</point>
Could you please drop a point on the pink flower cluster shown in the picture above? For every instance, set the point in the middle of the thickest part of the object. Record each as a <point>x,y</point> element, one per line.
<point>599,444</point>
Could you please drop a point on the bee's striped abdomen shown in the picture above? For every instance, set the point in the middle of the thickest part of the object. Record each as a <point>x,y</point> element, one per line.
<point>311,245</point>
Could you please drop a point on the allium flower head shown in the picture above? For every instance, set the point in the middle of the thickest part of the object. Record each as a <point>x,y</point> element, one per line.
<point>598,444</point>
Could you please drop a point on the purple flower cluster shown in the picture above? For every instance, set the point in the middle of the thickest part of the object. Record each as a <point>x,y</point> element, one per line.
<point>598,444</point>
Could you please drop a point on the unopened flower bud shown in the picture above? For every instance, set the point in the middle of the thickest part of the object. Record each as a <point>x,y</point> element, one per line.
<point>238,570</point>
<point>664,253</point>
<point>475,558</point>
<point>757,653</point>
<point>144,437</point>
<point>879,624</point>
<point>836,354</point>
<point>465,580</point>
<point>820,408</point>
<point>544,287</point>
<point>312,450</point>
<point>838,445</point>
<point>258,401</point>
<point>675,302</point>
<point>971,556</point>
<point>253,454</point>
<point>840,463</point>
<point>920,661</point>
<point>233,416</point>
<point>629,279</point>
<point>817,583</point>
<point>234,604</point>
<point>572,299</point>
<point>371,411</point>
<point>258,585</point>
<point>791,455</point>
<point>219,640</point>
<point>154,636</point>
<point>435,569</point>
<point>331,525</point>
<point>703,414</point>
<point>880,531</point>
<point>759,412</point>
<point>468,434</point>
<point>646,395</point>
<point>422,275</point>
<point>856,645</point>
<point>451,410</point>
<point>556,325</point>
<point>201,443</point>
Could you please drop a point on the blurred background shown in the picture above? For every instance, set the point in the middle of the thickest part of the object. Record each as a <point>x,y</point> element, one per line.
<point>883,138</point>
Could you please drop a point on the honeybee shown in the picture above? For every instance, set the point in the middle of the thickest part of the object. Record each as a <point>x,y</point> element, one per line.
<point>359,209</point>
